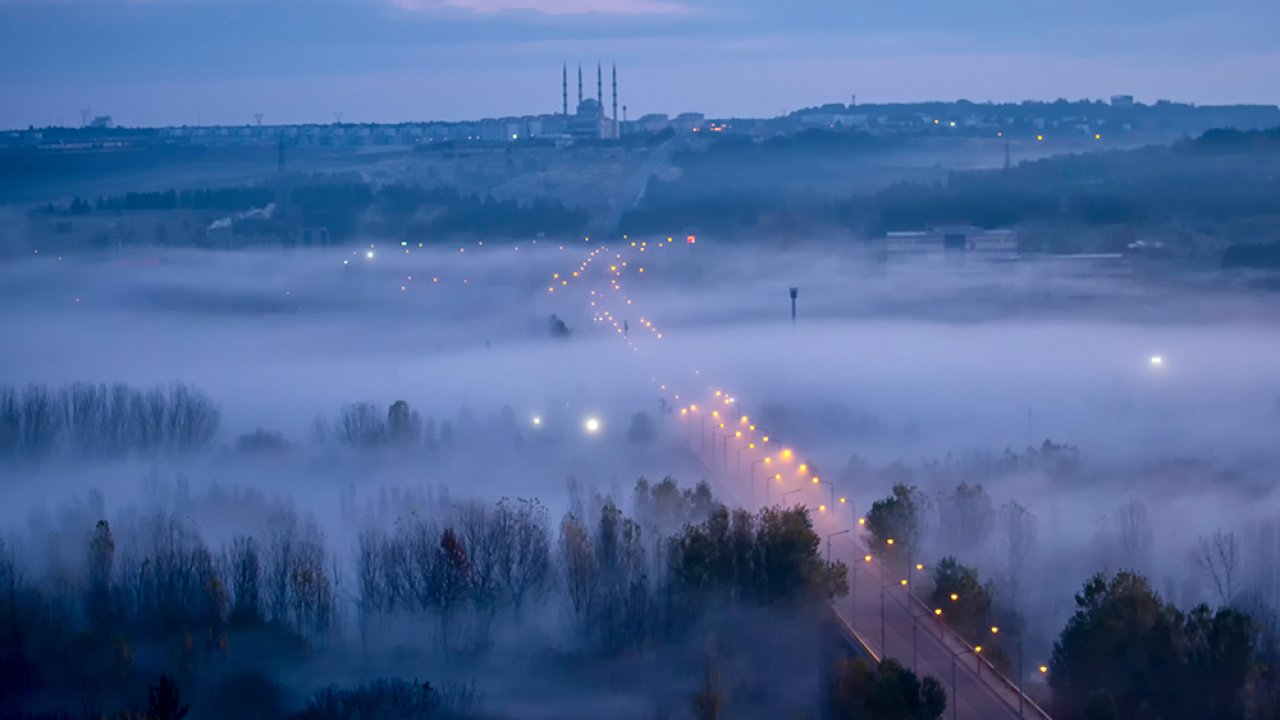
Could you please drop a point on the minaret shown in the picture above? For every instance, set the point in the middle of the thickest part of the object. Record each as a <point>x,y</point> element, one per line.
<point>599,88</point>
<point>579,84</point>
<point>615,101</point>
<point>564,81</point>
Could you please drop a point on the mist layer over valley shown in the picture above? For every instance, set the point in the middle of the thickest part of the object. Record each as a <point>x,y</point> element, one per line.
<point>318,413</point>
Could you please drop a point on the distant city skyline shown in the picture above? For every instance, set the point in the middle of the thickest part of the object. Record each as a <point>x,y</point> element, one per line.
<point>179,62</point>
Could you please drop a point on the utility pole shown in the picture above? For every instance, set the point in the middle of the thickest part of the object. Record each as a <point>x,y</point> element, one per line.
<point>794,292</point>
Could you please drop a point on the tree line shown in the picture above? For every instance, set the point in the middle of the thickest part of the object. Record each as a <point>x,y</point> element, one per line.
<point>98,421</point>
<point>1219,177</point>
<point>1125,652</point>
<point>152,620</point>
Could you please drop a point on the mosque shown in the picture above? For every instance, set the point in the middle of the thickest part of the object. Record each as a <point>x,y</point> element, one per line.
<point>589,121</point>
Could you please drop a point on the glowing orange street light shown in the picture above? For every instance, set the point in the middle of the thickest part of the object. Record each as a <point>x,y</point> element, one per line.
<point>842,501</point>
<point>954,597</point>
<point>903,582</point>
<point>786,454</point>
<point>937,611</point>
<point>994,629</point>
<point>802,469</point>
<point>1044,669</point>
<point>743,420</point>
<point>862,521</point>
<point>815,480</point>
<point>977,648</point>
<point>889,541</point>
<point>866,558</point>
<point>822,508</point>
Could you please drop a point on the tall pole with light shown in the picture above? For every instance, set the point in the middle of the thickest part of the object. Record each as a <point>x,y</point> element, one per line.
<point>831,535</point>
<point>995,630</point>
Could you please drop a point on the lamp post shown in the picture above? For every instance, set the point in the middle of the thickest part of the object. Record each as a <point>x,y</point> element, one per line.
<point>830,486</point>
<point>829,536</point>
<point>789,492</point>
<point>853,585</point>
<point>751,467</point>
<point>883,587</point>
<point>995,630</point>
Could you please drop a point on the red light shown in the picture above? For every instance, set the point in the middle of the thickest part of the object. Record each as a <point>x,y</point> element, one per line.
<point>692,239</point>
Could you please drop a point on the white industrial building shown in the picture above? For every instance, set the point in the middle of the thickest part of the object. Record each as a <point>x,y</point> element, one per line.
<point>953,239</point>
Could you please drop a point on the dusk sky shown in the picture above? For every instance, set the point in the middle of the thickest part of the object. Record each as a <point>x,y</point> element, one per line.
<point>161,62</point>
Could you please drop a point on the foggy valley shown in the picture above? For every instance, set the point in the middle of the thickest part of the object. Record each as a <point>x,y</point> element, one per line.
<point>885,407</point>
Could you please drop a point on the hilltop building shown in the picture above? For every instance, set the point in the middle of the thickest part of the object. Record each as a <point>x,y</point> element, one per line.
<point>953,239</point>
<point>589,121</point>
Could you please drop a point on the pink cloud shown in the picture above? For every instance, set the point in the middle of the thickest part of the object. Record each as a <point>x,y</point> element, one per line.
<point>554,7</point>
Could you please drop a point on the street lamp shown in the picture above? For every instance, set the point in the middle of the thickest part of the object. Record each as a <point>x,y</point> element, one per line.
<point>592,425</point>
<point>854,584</point>
<point>883,587</point>
<point>831,535</point>
<point>830,486</point>
<point>995,630</point>
<point>751,467</point>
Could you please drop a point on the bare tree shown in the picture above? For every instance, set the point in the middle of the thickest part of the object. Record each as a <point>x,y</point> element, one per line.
<point>1133,536</point>
<point>244,568</point>
<point>1020,528</point>
<point>1218,556</point>
<point>965,517</point>
<point>525,565</point>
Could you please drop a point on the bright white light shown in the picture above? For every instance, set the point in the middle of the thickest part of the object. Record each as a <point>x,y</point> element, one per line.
<point>592,425</point>
<point>369,254</point>
<point>1157,360</point>
<point>537,421</point>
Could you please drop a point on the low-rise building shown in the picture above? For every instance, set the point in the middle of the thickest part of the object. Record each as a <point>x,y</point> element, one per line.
<point>953,239</point>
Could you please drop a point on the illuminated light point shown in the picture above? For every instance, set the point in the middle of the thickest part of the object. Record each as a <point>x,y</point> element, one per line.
<point>994,629</point>
<point>537,421</point>
<point>866,558</point>
<point>1039,138</point>
<point>815,481</point>
<point>1044,669</point>
<point>919,566</point>
<point>977,648</point>
<point>841,501</point>
<point>822,508</point>
<point>889,541</point>
<point>369,254</point>
<point>1097,136</point>
<point>903,583</point>
<point>954,597</point>
<point>592,425</point>
<point>862,521</point>
<point>1157,360</point>
<point>937,611</point>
